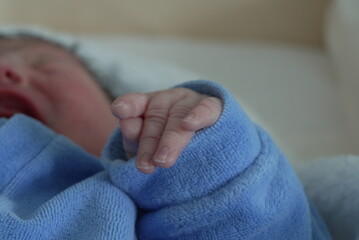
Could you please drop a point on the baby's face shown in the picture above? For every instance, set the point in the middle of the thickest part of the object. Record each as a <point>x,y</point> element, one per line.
<point>50,84</point>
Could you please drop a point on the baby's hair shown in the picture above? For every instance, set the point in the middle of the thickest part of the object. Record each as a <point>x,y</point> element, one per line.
<point>72,49</point>
<point>30,37</point>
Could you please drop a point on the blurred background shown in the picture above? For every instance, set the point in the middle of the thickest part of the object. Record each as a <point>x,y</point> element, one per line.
<point>295,21</point>
<point>291,63</point>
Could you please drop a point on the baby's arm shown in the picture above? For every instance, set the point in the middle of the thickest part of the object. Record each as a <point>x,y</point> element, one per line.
<point>230,182</point>
<point>157,126</point>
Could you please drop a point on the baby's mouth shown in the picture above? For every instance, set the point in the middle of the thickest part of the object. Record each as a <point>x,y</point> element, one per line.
<point>12,103</point>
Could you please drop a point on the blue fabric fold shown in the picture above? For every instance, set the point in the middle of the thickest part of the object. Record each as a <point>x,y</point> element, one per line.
<point>14,137</point>
<point>52,189</point>
<point>231,182</point>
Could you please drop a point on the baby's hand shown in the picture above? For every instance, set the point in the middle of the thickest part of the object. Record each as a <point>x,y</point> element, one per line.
<point>157,126</point>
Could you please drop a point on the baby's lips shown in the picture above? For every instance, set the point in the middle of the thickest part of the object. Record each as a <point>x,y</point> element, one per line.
<point>12,102</point>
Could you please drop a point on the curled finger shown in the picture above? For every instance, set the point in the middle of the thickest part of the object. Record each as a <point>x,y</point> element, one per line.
<point>129,105</point>
<point>131,130</point>
<point>204,114</point>
<point>155,121</point>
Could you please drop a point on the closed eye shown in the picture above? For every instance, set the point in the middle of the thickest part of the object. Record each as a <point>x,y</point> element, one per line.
<point>50,65</point>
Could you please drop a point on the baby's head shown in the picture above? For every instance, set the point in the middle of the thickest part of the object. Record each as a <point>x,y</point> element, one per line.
<point>49,83</point>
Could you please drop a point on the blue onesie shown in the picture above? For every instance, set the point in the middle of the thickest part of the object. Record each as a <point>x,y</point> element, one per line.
<point>231,182</point>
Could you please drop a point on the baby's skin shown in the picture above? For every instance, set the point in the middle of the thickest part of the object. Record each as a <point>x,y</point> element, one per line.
<point>50,84</point>
<point>157,126</point>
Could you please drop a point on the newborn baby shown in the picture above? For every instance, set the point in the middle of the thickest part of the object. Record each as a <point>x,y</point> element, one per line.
<point>186,163</point>
<point>50,84</point>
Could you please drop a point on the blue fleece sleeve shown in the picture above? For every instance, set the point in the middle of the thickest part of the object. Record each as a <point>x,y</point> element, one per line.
<point>50,188</point>
<point>2,121</point>
<point>231,182</point>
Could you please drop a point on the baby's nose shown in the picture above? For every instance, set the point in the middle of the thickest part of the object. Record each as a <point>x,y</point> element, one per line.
<point>9,74</point>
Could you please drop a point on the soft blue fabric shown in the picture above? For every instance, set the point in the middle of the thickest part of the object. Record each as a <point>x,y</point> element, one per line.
<point>231,182</point>
<point>2,121</point>
<point>51,189</point>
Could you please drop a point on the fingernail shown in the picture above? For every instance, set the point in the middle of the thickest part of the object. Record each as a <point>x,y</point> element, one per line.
<point>162,155</point>
<point>121,104</point>
<point>143,162</point>
<point>190,117</point>
<point>145,167</point>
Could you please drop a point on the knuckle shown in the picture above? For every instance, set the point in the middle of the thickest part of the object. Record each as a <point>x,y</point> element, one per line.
<point>214,101</point>
<point>150,139</point>
<point>173,133</point>
<point>155,113</point>
<point>205,106</point>
<point>155,123</point>
<point>211,104</point>
<point>179,112</point>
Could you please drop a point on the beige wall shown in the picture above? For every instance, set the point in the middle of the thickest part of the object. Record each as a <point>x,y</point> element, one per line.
<point>298,21</point>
